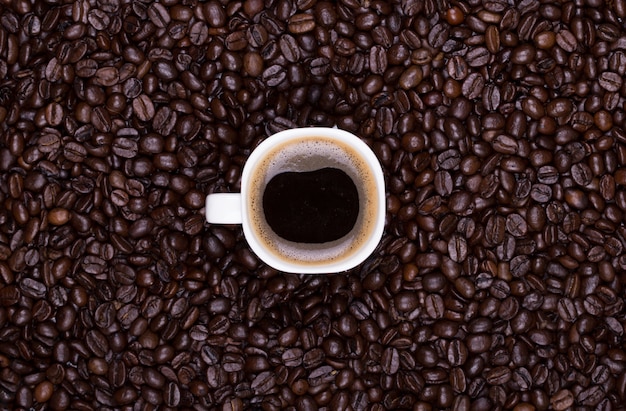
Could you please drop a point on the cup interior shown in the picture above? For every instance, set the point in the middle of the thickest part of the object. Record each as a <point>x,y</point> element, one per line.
<point>296,257</point>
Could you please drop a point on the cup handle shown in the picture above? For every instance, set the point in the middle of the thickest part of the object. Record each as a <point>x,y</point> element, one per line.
<point>223,208</point>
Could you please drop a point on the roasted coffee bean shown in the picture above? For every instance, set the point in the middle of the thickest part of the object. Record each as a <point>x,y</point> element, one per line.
<point>449,159</point>
<point>477,57</point>
<point>434,306</point>
<point>274,75</point>
<point>610,81</point>
<point>158,15</point>
<point>377,60</point>
<point>390,361</point>
<point>473,85</point>
<point>457,248</point>
<point>457,68</point>
<point>236,41</point>
<point>143,107</point>
<point>505,144</point>
<point>107,76</point>
<point>125,147</point>
<point>301,23</point>
<point>292,357</point>
<point>438,35</point>
<point>263,383</point>
<point>198,33</point>
<point>498,375</point>
<point>492,39</point>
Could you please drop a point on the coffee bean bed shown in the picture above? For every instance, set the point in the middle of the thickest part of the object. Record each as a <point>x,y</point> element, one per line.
<point>498,283</point>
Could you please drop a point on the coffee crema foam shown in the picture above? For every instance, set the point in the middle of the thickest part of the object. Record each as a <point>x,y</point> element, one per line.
<point>309,154</point>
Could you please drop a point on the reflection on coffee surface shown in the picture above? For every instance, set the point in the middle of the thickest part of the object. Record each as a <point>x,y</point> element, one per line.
<point>311,207</point>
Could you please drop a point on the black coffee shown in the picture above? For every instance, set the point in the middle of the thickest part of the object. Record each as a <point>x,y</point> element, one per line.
<point>311,207</point>
<point>307,221</point>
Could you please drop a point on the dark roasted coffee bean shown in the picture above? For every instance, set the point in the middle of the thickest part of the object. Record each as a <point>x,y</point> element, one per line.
<point>492,39</point>
<point>274,75</point>
<point>610,81</point>
<point>457,248</point>
<point>438,35</point>
<point>566,40</point>
<point>158,15</point>
<point>498,375</point>
<point>301,23</point>
<point>477,57</point>
<point>434,306</point>
<point>473,86</point>
<point>449,159</point>
<point>457,68</point>
<point>263,383</point>
<point>378,60</point>
<point>143,107</point>
<point>236,41</point>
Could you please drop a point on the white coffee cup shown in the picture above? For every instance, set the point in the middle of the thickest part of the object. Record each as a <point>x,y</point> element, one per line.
<point>303,150</point>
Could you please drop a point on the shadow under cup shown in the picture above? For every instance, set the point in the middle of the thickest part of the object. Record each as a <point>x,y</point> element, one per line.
<point>303,150</point>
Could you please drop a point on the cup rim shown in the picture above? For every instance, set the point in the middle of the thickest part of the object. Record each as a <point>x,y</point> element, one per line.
<point>342,264</point>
